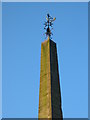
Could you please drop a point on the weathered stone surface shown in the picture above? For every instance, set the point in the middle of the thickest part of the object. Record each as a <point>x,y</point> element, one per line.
<point>49,92</point>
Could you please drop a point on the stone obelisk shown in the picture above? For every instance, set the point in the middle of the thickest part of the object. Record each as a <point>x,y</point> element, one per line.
<point>49,92</point>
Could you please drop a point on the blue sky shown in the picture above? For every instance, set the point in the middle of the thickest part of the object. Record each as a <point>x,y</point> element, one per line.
<point>22,34</point>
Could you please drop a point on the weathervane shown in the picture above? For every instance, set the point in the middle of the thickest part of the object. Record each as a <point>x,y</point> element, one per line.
<point>49,25</point>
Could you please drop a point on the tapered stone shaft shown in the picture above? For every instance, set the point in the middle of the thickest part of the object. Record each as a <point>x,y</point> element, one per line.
<point>49,92</point>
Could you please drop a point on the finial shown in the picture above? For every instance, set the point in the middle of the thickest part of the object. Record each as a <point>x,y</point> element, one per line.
<point>49,25</point>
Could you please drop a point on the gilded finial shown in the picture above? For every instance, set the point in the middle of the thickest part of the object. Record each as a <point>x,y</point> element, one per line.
<point>49,25</point>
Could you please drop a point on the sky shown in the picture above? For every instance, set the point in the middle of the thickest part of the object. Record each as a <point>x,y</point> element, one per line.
<point>44,0</point>
<point>22,35</point>
<point>0,60</point>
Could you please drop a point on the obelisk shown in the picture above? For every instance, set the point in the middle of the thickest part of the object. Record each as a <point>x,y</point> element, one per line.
<point>49,92</point>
